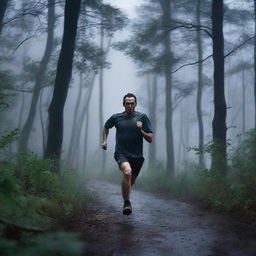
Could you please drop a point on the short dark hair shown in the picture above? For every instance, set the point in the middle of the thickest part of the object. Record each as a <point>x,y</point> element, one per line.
<point>129,95</point>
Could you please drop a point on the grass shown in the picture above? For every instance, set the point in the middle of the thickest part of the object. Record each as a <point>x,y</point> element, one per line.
<point>31,195</point>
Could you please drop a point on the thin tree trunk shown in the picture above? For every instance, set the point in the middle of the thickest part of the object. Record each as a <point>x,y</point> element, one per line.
<point>243,106</point>
<point>21,109</point>
<point>86,139</point>
<point>200,85</point>
<point>180,138</point>
<point>219,158</point>
<point>103,155</point>
<point>63,76</point>
<point>3,7</point>
<point>77,133</point>
<point>152,115</point>
<point>75,120</point>
<point>41,115</point>
<point>25,133</point>
<point>166,9</point>
<point>255,64</point>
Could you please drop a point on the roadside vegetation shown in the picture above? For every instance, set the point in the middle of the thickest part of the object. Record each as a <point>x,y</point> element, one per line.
<point>236,193</point>
<point>33,200</point>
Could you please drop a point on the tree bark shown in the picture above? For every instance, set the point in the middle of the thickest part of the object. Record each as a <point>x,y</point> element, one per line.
<point>219,158</point>
<point>41,106</point>
<point>3,7</point>
<point>200,85</point>
<point>243,100</point>
<point>255,64</point>
<point>23,141</point>
<point>103,158</point>
<point>63,76</point>
<point>75,122</point>
<point>152,117</point>
<point>166,9</point>
<point>79,125</point>
<point>86,132</point>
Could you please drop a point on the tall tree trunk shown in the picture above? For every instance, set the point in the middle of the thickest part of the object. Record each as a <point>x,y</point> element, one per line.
<point>200,85</point>
<point>63,76</point>
<point>255,64</point>
<point>103,158</point>
<point>41,115</point>
<point>166,9</point>
<point>86,138</point>
<point>3,7</point>
<point>75,121</point>
<point>23,141</point>
<point>79,125</point>
<point>219,155</point>
<point>152,117</point>
<point>243,102</point>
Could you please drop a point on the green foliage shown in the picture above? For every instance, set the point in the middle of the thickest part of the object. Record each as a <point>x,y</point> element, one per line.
<point>6,83</point>
<point>235,192</point>
<point>31,194</point>
<point>59,243</point>
<point>7,139</point>
<point>54,244</point>
<point>90,57</point>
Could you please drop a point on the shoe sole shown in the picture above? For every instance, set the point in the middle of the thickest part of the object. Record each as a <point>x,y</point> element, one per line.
<point>127,211</point>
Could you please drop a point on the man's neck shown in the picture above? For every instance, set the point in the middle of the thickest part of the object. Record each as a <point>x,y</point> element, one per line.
<point>129,114</point>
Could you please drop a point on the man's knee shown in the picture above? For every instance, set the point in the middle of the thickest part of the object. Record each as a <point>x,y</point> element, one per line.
<point>127,173</point>
<point>127,170</point>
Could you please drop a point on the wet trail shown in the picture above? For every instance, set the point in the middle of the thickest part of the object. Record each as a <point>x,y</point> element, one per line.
<point>160,226</point>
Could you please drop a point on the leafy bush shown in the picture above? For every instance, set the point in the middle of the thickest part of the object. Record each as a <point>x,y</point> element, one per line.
<point>31,195</point>
<point>235,192</point>
<point>51,244</point>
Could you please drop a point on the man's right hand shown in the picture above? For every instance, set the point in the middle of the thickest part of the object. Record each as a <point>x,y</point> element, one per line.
<point>104,145</point>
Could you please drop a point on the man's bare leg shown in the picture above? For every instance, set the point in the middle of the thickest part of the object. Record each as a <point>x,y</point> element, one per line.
<point>126,184</point>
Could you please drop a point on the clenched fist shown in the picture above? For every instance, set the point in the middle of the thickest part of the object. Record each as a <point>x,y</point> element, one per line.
<point>104,145</point>
<point>139,124</point>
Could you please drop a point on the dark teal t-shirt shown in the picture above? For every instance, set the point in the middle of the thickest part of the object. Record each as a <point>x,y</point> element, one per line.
<point>129,139</point>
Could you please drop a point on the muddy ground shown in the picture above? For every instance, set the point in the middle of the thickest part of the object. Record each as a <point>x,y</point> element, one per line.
<point>158,226</point>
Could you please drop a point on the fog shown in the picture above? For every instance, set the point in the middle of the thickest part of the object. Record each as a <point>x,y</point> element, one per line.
<point>122,76</point>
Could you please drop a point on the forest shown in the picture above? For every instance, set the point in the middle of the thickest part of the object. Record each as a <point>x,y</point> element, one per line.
<point>64,69</point>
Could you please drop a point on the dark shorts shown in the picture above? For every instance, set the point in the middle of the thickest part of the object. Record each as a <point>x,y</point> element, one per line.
<point>136,163</point>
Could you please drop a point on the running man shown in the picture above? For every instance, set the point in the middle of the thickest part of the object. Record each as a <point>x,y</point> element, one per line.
<point>131,127</point>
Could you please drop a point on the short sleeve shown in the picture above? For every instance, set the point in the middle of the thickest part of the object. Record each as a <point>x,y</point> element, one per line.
<point>110,122</point>
<point>147,126</point>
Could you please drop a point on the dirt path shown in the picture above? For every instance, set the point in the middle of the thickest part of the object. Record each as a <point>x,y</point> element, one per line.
<point>159,226</point>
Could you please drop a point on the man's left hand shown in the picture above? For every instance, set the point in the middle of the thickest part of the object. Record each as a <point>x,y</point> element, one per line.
<point>139,124</point>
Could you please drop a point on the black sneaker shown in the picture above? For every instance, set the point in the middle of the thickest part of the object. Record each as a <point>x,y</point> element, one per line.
<point>127,210</point>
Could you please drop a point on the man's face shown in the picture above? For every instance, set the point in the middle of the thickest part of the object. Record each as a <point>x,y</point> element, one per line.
<point>129,104</point>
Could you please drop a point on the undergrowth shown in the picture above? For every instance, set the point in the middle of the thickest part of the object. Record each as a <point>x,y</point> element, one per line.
<point>32,196</point>
<point>234,192</point>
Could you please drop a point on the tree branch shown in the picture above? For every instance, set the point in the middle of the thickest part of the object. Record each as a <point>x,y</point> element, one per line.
<point>193,63</point>
<point>190,26</point>
<point>228,54</point>
<point>239,46</point>
<point>24,228</point>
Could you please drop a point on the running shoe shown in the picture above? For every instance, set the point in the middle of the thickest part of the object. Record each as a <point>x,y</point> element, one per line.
<point>127,210</point>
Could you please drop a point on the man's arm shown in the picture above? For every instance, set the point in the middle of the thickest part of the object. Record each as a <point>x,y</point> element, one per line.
<point>105,138</point>
<point>148,136</point>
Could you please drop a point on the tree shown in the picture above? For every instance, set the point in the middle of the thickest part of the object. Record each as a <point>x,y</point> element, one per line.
<point>166,9</point>
<point>200,84</point>
<point>219,158</point>
<point>39,77</point>
<point>63,76</point>
<point>152,100</point>
<point>3,6</point>
<point>255,64</point>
